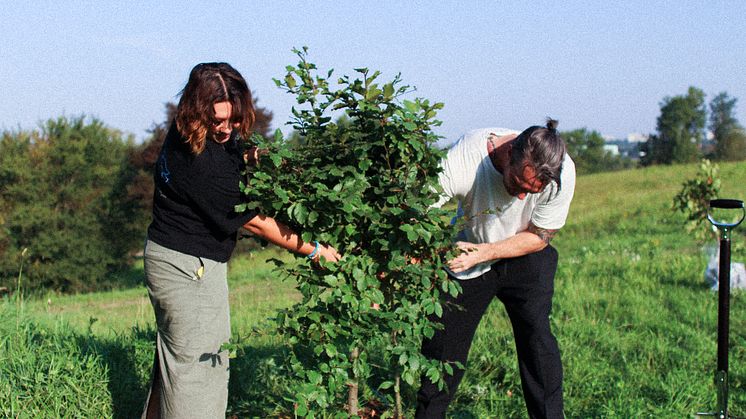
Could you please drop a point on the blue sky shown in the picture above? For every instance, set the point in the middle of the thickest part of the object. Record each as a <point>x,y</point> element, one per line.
<point>602,65</point>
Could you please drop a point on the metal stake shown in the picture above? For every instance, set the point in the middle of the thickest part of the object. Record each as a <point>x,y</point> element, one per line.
<point>721,375</point>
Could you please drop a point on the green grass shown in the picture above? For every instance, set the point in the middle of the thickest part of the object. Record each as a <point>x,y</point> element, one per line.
<point>635,322</point>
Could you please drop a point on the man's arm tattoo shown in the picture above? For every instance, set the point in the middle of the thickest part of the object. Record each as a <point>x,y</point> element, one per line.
<point>544,234</point>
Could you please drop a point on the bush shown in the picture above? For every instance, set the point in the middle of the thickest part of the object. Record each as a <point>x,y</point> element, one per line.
<point>365,186</point>
<point>694,199</point>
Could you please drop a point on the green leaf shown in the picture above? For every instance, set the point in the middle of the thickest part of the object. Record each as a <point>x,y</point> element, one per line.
<point>372,93</point>
<point>448,368</point>
<point>282,195</point>
<point>433,374</point>
<point>300,213</point>
<point>438,309</point>
<point>290,81</point>
<point>331,280</point>
<point>276,159</point>
<point>414,363</point>
<point>403,358</point>
<point>411,106</point>
<point>453,289</point>
<point>360,279</point>
<point>386,385</point>
<point>388,90</point>
<point>331,350</point>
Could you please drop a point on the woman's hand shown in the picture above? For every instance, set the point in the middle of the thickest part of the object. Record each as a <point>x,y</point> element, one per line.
<point>252,154</point>
<point>329,254</point>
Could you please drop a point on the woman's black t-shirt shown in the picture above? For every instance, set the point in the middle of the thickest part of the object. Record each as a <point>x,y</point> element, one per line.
<point>195,196</point>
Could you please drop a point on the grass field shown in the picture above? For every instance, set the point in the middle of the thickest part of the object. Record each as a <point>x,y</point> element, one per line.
<point>635,322</point>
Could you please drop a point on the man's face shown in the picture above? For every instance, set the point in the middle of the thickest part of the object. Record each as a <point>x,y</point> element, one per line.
<point>521,180</point>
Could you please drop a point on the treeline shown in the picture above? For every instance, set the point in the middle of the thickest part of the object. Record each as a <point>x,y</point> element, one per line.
<point>75,199</point>
<point>686,131</point>
<point>76,195</point>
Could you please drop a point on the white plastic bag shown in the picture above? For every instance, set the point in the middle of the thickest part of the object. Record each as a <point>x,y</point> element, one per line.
<point>737,270</point>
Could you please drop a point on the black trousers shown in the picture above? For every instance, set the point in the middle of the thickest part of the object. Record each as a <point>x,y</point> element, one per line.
<point>525,286</point>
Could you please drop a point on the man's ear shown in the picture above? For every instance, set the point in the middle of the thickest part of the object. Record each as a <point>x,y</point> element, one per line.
<point>509,151</point>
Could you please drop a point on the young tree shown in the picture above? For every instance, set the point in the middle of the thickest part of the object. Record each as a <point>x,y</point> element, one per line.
<point>693,200</point>
<point>366,187</point>
<point>680,129</point>
<point>729,137</point>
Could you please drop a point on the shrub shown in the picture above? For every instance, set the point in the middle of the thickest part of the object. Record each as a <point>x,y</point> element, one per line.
<point>366,187</point>
<point>694,199</point>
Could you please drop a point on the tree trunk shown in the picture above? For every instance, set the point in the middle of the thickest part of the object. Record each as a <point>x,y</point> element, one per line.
<point>398,413</point>
<point>352,395</point>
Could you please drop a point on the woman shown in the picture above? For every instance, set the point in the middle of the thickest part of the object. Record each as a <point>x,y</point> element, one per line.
<point>191,238</point>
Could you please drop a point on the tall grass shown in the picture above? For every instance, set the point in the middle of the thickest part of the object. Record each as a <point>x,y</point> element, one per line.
<point>635,321</point>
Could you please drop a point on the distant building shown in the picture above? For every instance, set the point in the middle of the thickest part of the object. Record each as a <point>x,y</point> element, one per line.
<point>628,147</point>
<point>636,137</point>
<point>612,149</point>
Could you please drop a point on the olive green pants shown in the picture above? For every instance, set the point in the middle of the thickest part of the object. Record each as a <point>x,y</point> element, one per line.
<point>190,299</point>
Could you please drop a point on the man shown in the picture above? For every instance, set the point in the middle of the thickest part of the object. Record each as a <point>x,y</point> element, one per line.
<point>514,193</point>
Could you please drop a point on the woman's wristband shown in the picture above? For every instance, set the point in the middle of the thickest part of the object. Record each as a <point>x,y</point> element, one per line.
<point>315,250</point>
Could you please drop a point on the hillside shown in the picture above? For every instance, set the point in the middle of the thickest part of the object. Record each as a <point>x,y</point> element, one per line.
<point>634,318</point>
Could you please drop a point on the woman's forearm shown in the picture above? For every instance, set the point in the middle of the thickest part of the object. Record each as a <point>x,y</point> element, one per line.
<point>281,235</point>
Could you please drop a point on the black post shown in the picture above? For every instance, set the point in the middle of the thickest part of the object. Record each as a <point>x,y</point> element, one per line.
<point>724,304</point>
<point>721,374</point>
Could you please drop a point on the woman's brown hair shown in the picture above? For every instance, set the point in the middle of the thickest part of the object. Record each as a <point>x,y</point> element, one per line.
<point>210,83</point>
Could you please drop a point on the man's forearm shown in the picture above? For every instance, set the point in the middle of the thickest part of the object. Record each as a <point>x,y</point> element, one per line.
<point>529,241</point>
<point>521,244</point>
<point>472,254</point>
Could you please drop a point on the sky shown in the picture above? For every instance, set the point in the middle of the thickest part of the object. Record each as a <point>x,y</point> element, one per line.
<point>605,66</point>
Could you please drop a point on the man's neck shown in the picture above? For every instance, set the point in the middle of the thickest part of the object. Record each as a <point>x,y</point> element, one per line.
<point>498,149</point>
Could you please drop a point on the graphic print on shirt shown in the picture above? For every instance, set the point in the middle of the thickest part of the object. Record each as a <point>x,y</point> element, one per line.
<point>162,167</point>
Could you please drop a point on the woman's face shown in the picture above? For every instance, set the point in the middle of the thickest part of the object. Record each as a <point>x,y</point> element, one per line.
<point>221,127</point>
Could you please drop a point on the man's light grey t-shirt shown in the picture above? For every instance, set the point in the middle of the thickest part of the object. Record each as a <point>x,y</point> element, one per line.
<point>486,211</point>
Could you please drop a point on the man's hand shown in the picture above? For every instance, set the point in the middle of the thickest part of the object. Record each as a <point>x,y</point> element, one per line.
<point>471,254</point>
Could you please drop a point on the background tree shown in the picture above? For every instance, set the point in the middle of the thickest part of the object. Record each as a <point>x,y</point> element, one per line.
<point>730,141</point>
<point>587,150</point>
<point>58,187</point>
<point>733,145</point>
<point>263,123</point>
<point>680,129</point>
